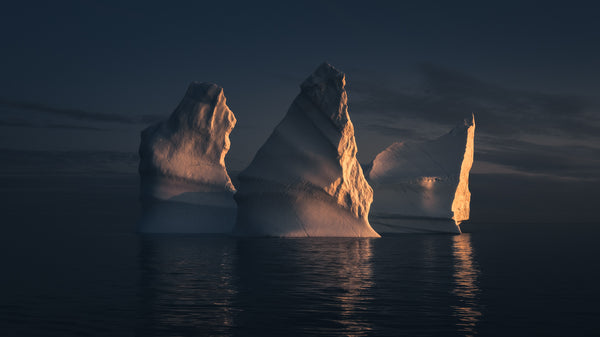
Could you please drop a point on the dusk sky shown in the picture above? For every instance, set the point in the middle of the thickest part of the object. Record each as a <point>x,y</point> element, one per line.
<point>79,81</point>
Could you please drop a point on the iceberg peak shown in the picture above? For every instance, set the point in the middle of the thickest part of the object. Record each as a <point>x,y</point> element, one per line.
<point>193,143</point>
<point>325,75</point>
<point>462,128</point>
<point>326,89</point>
<point>204,92</point>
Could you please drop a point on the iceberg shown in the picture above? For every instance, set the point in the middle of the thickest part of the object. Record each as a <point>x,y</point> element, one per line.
<point>423,187</point>
<point>305,180</point>
<point>184,186</point>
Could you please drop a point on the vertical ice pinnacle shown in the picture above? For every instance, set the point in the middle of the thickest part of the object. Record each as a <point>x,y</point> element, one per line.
<point>462,197</point>
<point>185,186</point>
<point>191,145</point>
<point>305,180</point>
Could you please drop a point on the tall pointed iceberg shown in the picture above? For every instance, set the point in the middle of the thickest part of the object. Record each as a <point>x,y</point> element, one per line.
<point>185,187</point>
<point>305,180</point>
<point>423,187</point>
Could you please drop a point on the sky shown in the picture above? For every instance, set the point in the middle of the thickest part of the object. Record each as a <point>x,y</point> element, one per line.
<point>79,80</point>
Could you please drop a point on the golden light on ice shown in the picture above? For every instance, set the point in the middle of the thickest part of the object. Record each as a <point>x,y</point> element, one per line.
<point>462,196</point>
<point>428,182</point>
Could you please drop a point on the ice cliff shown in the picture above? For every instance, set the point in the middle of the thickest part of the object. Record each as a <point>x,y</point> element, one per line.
<point>305,180</point>
<point>185,187</point>
<point>423,187</point>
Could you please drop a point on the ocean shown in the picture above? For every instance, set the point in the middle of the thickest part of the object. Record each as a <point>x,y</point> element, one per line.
<point>73,265</point>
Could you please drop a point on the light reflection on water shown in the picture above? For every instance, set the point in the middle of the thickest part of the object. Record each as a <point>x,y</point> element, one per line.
<point>354,274</point>
<point>304,286</point>
<point>74,267</point>
<point>236,287</point>
<point>186,285</point>
<point>466,276</point>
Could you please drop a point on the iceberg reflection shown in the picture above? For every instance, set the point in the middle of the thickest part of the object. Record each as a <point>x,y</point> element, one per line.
<point>317,286</point>
<point>207,285</point>
<point>186,285</point>
<point>211,285</point>
<point>356,275</point>
<point>466,287</point>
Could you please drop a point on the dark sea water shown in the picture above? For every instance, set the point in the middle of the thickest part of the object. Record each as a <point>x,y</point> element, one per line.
<point>72,265</point>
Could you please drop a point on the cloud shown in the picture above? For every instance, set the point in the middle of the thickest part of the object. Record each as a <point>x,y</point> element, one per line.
<point>78,114</point>
<point>27,124</point>
<point>567,161</point>
<point>552,135</point>
<point>447,96</point>
<point>72,162</point>
<point>387,130</point>
<point>504,198</point>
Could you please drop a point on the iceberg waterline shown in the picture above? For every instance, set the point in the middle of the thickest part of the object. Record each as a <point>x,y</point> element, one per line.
<point>305,180</point>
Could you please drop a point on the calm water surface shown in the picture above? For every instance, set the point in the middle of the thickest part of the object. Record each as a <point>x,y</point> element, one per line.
<point>72,265</point>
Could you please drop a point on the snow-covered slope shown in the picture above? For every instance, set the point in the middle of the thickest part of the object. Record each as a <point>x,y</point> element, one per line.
<point>185,186</point>
<point>305,180</point>
<point>423,187</point>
